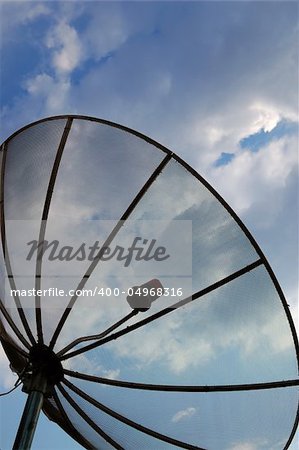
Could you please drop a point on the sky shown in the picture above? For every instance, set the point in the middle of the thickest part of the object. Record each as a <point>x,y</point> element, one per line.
<point>215,82</point>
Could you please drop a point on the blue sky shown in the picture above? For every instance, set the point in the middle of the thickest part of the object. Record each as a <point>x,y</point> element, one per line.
<point>216,82</point>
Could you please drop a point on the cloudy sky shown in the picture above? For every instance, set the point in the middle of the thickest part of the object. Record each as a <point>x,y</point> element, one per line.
<point>216,82</point>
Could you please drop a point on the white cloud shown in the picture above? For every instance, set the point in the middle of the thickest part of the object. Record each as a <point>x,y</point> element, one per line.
<point>252,177</point>
<point>14,14</point>
<point>84,364</point>
<point>7,378</point>
<point>111,374</point>
<point>183,414</point>
<point>168,345</point>
<point>66,47</point>
<point>266,118</point>
<point>34,11</point>
<point>255,444</point>
<point>40,85</point>
<point>107,31</point>
<point>53,93</point>
<point>244,446</point>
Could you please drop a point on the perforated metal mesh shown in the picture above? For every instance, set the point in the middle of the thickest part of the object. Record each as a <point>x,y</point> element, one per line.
<point>213,367</point>
<point>199,419</point>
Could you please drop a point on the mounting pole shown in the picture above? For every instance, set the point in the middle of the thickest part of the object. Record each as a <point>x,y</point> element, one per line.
<point>28,422</point>
<point>44,371</point>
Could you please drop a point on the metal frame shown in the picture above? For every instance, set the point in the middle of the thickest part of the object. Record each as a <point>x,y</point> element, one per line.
<point>69,424</point>
<point>6,254</point>
<point>59,415</point>
<point>182,388</point>
<point>88,420</point>
<point>98,336</point>
<point>194,173</point>
<point>107,242</point>
<point>43,225</point>
<point>125,420</point>
<point>164,311</point>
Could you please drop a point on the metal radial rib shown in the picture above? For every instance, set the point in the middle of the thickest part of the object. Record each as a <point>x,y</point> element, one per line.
<point>13,326</point>
<point>129,422</point>
<point>165,311</point>
<point>88,420</point>
<point>108,241</point>
<point>6,254</point>
<point>100,335</point>
<point>182,388</point>
<point>74,432</point>
<point>42,231</point>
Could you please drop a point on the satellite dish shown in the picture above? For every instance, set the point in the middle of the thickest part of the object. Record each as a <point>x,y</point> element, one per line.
<point>137,309</point>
